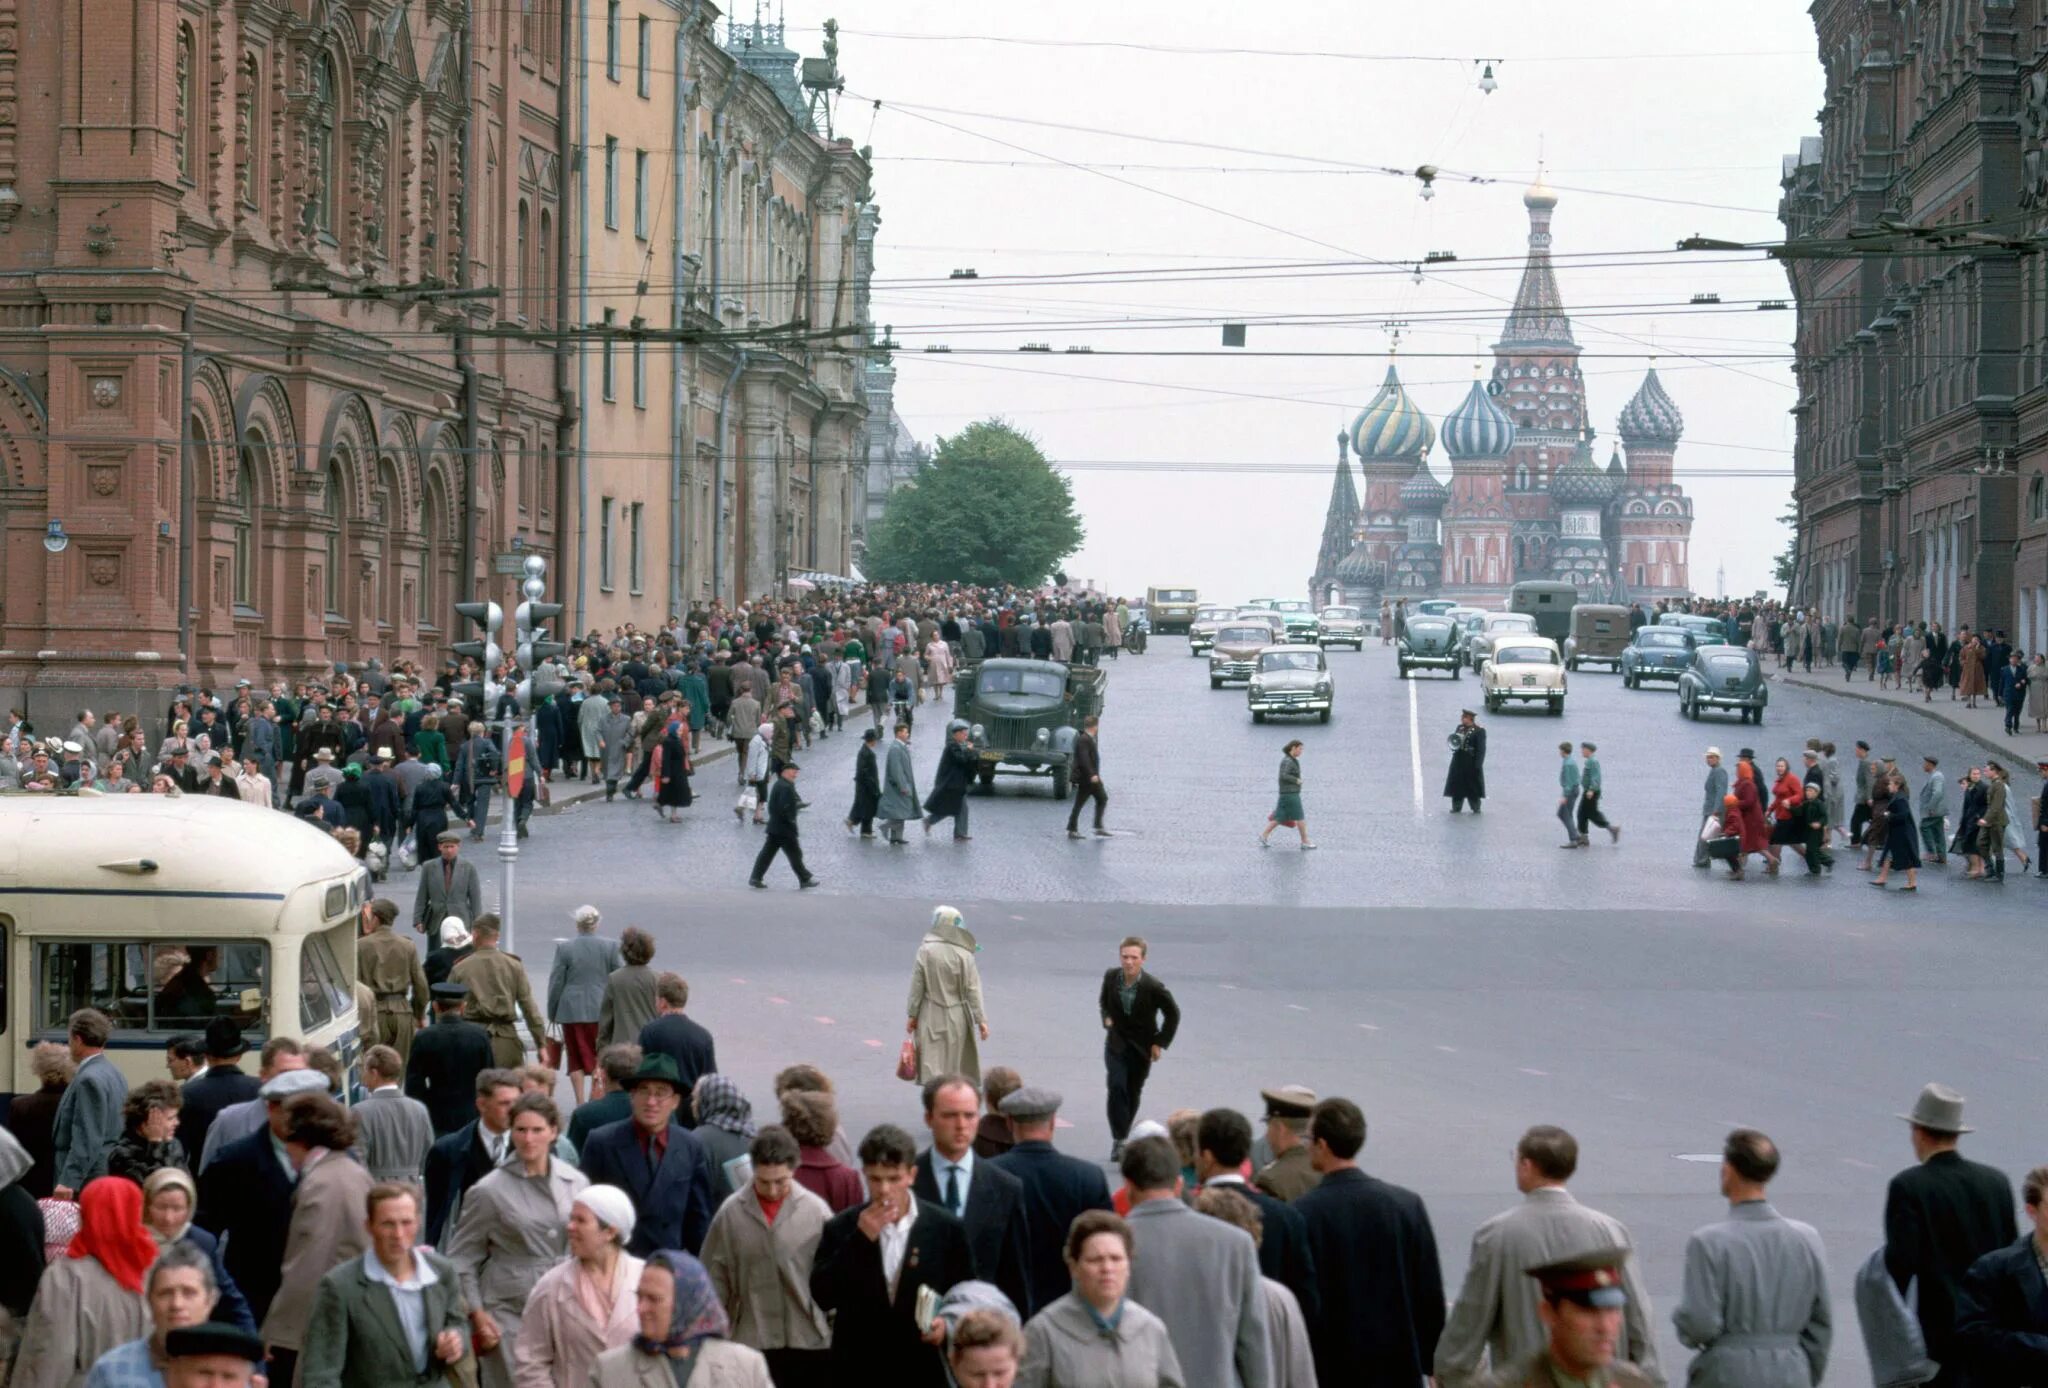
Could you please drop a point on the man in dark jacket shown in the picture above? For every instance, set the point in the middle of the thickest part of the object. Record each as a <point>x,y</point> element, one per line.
<point>1375,1255</point>
<point>958,761</point>
<point>245,1198</point>
<point>1087,775</point>
<point>1466,780</point>
<point>782,834</point>
<point>223,1082</point>
<point>1223,1142</point>
<point>473,1151</point>
<point>1940,1217</point>
<point>990,1203</point>
<point>1141,1018</point>
<point>660,1165</point>
<point>447,1056</point>
<point>682,1039</point>
<point>2002,1304</point>
<point>1057,1188</point>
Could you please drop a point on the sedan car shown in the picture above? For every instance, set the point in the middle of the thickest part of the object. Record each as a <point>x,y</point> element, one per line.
<point>1480,640</point>
<point>1270,616</point>
<point>1655,653</point>
<point>1722,678</point>
<point>1343,626</point>
<point>1235,655</point>
<point>1300,618</point>
<point>1524,667</point>
<point>1291,679</point>
<point>1208,621</point>
<point>1428,643</point>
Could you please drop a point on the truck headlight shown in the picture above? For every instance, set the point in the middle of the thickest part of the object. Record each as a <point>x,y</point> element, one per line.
<point>1044,736</point>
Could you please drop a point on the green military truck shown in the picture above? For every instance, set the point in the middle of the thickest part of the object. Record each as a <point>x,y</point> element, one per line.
<point>1025,714</point>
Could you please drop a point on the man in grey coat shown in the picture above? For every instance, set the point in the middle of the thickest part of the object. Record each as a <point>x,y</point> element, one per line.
<point>1496,1314</point>
<point>393,1133</point>
<point>576,995</point>
<point>1932,808</point>
<point>449,886</point>
<point>1717,788</point>
<point>899,787</point>
<point>1198,1274</point>
<point>89,1115</point>
<point>1755,1303</point>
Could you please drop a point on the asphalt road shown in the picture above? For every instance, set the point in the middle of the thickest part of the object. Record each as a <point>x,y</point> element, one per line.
<point>1459,976</point>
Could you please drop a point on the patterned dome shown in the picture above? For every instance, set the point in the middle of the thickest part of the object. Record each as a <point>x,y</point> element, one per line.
<point>1423,492</point>
<point>1580,482</point>
<point>1390,428</point>
<point>1650,416</point>
<point>1478,428</point>
<point>1359,566</point>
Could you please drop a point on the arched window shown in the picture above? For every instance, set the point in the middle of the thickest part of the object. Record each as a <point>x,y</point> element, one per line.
<point>321,174</point>
<point>2037,498</point>
<point>430,555</point>
<point>527,480</point>
<point>390,517</point>
<point>244,500</point>
<point>333,510</point>
<point>430,210</point>
<point>544,256</point>
<point>519,305</point>
<point>185,101</point>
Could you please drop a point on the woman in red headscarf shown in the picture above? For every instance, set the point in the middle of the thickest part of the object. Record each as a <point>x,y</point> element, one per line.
<point>92,1299</point>
<point>1749,800</point>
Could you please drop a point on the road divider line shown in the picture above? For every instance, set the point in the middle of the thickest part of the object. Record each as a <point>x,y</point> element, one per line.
<point>1415,748</point>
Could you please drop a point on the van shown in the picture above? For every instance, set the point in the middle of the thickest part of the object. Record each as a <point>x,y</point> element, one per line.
<point>1549,601</point>
<point>166,912</point>
<point>1170,609</point>
<point>1600,633</point>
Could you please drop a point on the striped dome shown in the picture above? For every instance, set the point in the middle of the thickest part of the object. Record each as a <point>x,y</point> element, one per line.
<point>1650,416</point>
<point>1478,428</point>
<point>1391,427</point>
<point>1423,492</point>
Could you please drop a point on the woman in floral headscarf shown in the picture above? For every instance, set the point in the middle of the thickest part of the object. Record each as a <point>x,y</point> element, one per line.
<point>92,1299</point>
<point>682,1341</point>
<point>725,1126</point>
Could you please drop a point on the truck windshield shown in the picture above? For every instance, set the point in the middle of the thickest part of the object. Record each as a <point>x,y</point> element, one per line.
<point>1040,682</point>
<point>1176,595</point>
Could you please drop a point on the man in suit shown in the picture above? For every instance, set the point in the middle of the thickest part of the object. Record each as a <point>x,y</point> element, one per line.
<point>1057,1187</point>
<point>221,1083</point>
<point>357,1338</point>
<point>2002,1302</point>
<point>679,1038</point>
<point>1223,1141</point>
<point>782,833</point>
<point>1140,1017</point>
<point>873,1259</point>
<point>470,1153</point>
<point>1087,780</point>
<point>393,1132</point>
<point>1939,1217</point>
<point>1199,1275</point>
<point>658,1163</point>
<point>609,1101</point>
<point>89,1114</point>
<point>989,1202</point>
<point>1383,1291</point>
<point>245,1194</point>
<point>446,1059</point>
<point>449,886</point>
<point>1497,1316</point>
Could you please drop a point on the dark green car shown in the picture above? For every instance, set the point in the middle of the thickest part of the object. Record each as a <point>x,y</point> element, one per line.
<point>1026,714</point>
<point>1430,643</point>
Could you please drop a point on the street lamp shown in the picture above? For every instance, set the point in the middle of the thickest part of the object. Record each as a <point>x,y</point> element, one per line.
<point>55,540</point>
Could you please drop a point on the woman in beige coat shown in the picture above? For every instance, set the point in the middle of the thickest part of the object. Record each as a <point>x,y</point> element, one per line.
<point>92,1300</point>
<point>945,1001</point>
<point>680,1318</point>
<point>1065,1345</point>
<point>584,1306</point>
<point>761,1268</point>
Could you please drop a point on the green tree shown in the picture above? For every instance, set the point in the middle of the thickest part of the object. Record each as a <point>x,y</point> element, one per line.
<point>1788,558</point>
<point>987,509</point>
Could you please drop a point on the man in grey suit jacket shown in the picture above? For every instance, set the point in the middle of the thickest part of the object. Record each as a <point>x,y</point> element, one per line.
<point>449,886</point>
<point>393,1132</point>
<point>355,1338</point>
<point>89,1115</point>
<point>1199,1275</point>
<point>1496,1312</point>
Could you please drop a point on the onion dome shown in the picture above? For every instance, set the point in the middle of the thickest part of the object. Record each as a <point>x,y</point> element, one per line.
<point>1478,428</point>
<point>1650,416</point>
<point>1423,492</point>
<point>1359,567</point>
<point>1390,428</point>
<point>1538,194</point>
<point>1580,482</point>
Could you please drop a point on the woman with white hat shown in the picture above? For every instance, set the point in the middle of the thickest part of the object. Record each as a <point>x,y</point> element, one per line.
<point>946,1013</point>
<point>584,1306</point>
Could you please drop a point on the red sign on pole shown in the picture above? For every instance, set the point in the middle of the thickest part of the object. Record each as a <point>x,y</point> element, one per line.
<point>515,764</point>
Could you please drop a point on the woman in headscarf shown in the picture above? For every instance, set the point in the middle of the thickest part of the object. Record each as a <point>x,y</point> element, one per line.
<point>683,1335</point>
<point>725,1127</point>
<point>511,1231</point>
<point>945,1000</point>
<point>671,771</point>
<point>584,1306</point>
<point>168,1200</point>
<point>1749,800</point>
<point>91,1300</point>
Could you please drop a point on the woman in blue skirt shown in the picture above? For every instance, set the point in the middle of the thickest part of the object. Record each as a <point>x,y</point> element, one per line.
<point>1287,811</point>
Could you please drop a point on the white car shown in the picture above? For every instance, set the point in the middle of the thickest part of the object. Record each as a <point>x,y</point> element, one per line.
<point>1343,626</point>
<point>1523,667</point>
<point>1291,679</point>
<point>1208,621</point>
<point>1480,639</point>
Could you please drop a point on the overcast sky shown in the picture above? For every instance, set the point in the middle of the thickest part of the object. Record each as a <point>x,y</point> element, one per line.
<point>1686,109</point>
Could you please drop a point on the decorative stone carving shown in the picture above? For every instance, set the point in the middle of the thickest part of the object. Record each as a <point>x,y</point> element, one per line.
<point>103,478</point>
<point>103,569</point>
<point>103,391</point>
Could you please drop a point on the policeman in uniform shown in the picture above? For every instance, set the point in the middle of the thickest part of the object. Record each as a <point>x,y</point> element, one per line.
<point>499,991</point>
<point>1288,1175</point>
<point>1582,1312</point>
<point>390,968</point>
<point>448,1056</point>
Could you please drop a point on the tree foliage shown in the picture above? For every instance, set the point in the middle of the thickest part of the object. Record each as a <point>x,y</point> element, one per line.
<point>1787,563</point>
<point>987,509</point>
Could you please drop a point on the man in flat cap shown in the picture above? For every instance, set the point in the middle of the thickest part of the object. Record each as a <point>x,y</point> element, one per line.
<point>449,886</point>
<point>447,1056</point>
<point>1057,1188</point>
<point>1289,1174</point>
<point>1581,1312</point>
<point>211,1355</point>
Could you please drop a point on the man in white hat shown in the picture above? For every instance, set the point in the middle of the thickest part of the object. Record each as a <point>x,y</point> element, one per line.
<point>1716,789</point>
<point>1939,1217</point>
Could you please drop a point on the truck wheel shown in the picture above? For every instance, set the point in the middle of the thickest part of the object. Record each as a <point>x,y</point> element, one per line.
<point>1059,783</point>
<point>1457,672</point>
<point>1758,716</point>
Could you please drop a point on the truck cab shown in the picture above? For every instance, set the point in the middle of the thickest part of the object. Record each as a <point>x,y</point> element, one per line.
<point>1025,714</point>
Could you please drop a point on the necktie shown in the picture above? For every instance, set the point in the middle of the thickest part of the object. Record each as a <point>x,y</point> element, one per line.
<point>953,1189</point>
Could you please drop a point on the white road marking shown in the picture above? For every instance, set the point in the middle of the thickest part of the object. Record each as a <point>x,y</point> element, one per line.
<point>1367,1026</point>
<point>1296,1007</point>
<point>1867,1166</point>
<point>1448,1050</point>
<point>824,1021</point>
<point>1704,1158</point>
<point>872,1042</point>
<point>1415,748</point>
<point>1545,1074</point>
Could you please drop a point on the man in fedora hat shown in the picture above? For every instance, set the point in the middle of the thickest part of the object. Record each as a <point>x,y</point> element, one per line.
<point>1939,1217</point>
<point>658,1163</point>
<point>221,1083</point>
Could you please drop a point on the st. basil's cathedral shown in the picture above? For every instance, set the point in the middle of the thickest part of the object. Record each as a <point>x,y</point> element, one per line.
<point>1526,500</point>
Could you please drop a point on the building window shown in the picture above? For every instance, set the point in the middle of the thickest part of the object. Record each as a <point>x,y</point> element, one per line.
<point>640,193</point>
<point>519,265</point>
<point>331,509</point>
<point>611,181</point>
<point>244,500</point>
<point>320,170</point>
<point>2035,498</point>
<point>633,553</point>
<point>186,102</point>
<point>430,558</point>
<point>604,544</point>
<point>544,274</point>
<point>1639,576</point>
<point>610,320</point>
<point>611,40</point>
<point>639,367</point>
<point>529,27</point>
<point>646,72</point>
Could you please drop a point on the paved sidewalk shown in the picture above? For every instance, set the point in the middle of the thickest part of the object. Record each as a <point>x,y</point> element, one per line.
<point>564,792</point>
<point>1984,724</point>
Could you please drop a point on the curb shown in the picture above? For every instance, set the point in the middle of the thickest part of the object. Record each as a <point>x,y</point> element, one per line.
<point>583,791</point>
<point>1954,725</point>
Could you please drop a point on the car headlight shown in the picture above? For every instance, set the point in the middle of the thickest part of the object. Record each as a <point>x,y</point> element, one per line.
<point>1323,689</point>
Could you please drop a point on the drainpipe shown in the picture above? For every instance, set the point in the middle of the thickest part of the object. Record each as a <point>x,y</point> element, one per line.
<point>465,351</point>
<point>679,433</point>
<point>569,431</point>
<point>739,364</point>
<point>719,132</point>
<point>188,493</point>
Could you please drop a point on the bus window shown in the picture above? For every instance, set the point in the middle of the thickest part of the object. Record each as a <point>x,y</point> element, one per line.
<point>161,988</point>
<point>6,953</point>
<point>324,992</point>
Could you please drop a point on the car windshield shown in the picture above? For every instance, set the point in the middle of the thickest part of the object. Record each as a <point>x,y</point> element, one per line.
<point>1525,655</point>
<point>1669,637</point>
<point>1293,607</point>
<point>1043,683</point>
<point>1511,622</point>
<point>1290,660</point>
<point>1245,636</point>
<point>1728,666</point>
<point>1340,614</point>
<point>1216,614</point>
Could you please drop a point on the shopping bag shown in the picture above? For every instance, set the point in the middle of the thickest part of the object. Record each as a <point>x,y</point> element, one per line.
<point>408,853</point>
<point>746,802</point>
<point>906,1061</point>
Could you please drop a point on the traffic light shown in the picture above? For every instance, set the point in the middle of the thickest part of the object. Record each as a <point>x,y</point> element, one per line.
<point>531,643</point>
<point>480,695</point>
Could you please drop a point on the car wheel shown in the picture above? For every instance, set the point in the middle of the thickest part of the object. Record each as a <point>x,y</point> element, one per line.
<point>1757,716</point>
<point>1258,716</point>
<point>1215,683</point>
<point>1323,716</point>
<point>1404,669</point>
<point>1457,672</point>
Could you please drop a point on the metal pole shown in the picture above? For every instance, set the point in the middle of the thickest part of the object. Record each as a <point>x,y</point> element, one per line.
<point>508,833</point>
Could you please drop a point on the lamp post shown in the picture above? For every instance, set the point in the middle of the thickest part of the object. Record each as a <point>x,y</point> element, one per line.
<point>533,654</point>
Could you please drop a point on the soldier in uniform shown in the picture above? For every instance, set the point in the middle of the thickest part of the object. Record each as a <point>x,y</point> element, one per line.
<point>390,968</point>
<point>446,1060</point>
<point>499,991</point>
<point>1289,1174</point>
<point>1581,1313</point>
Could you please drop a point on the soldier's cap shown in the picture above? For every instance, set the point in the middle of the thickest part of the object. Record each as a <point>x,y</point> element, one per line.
<point>283,1086</point>
<point>1289,1101</point>
<point>1032,1102</point>
<point>447,836</point>
<point>324,754</point>
<point>450,992</point>
<point>657,1069</point>
<point>1466,713</point>
<point>213,1339</point>
<point>1592,1278</point>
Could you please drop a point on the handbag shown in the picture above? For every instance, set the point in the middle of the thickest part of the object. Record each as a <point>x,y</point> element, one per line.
<point>906,1061</point>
